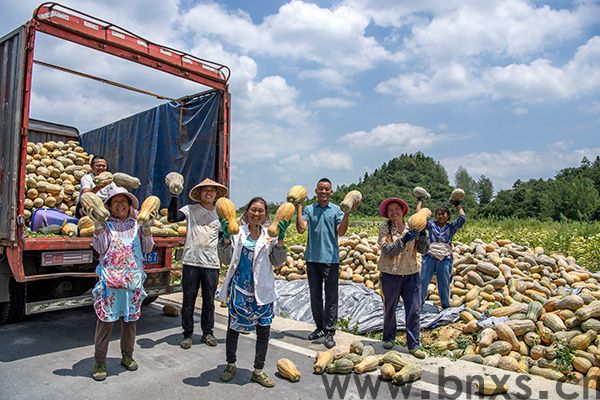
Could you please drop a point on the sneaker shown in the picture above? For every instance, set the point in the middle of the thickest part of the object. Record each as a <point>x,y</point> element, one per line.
<point>129,363</point>
<point>99,373</point>
<point>316,334</point>
<point>186,343</point>
<point>228,373</point>
<point>417,352</point>
<point>388,345</point>
<point>209,340</point>
<point>329,342</point>
<point>263,379</point>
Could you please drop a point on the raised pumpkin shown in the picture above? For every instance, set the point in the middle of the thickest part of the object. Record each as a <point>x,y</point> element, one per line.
<point>297,194</point>
<point>225,209</point>
<point>103,179</point>
<point>351,201</point>
<point>149,208</point>
<point>174,182</point>
<point>457,195</point>
<point>94,206</point>
<point>421,193</point>
<point>284,213</point>
<point>288,370</point>
<point>126,181</point>
<point>419,219</point>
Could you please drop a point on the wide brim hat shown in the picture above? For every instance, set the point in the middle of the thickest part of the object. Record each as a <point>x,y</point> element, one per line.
<point>195,192</point>
<point>121,190</point>
<point>384,205</point>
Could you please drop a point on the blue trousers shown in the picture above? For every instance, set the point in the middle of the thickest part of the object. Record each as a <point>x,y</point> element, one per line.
<point>409,287</point>
<point>443,271</point>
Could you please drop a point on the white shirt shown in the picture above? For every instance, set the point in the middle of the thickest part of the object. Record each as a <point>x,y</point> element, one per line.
<point>87,182</point>
<point>264,280</point>
<point>203,227</point>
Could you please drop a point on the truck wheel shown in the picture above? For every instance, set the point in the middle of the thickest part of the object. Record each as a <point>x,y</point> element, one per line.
<point>149,299</point>
<point>14,310</point>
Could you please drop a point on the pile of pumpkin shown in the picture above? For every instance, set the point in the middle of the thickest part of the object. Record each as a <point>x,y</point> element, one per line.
<point>358,261</point>
<point>547,310</point>
<point>360,358</point>
<point>52,174</point>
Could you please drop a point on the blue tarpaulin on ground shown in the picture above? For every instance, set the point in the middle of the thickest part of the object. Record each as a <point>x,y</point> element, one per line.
<point>359,307</point>
<point>171,137</point>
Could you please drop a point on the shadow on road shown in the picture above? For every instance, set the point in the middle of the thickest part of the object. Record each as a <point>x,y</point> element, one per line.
<point>241,378</point>
<point>84,368</point>
<point>69,329</point>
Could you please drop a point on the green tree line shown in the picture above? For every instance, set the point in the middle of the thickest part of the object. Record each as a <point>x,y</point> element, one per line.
<point>573,194</point>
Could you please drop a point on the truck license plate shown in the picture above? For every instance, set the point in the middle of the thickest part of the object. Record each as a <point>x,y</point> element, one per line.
<point>151,258</point>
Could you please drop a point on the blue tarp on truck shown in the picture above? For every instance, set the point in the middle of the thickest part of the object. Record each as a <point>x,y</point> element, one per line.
<point>183,137</point>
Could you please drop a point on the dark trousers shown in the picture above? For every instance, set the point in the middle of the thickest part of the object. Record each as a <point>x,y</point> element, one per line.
<point>195,278</point>
<point>323,275</point>
<point>262,343</point>
<point>102,338</point>
<point>409,287</point>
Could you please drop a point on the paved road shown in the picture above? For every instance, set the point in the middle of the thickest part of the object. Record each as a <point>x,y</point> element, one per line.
<point>50,356</point>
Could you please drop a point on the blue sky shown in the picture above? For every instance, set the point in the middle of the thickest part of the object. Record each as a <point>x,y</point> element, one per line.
<point>508,89</point>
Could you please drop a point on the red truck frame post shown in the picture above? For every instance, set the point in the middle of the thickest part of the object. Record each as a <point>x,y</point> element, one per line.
<point>74,26</point>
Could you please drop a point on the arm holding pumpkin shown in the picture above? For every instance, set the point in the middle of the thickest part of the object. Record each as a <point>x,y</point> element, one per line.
<point>278,255</point>
<point>342,226</point>
<point>174,214</point>
<point>224,251</point>
<point>422,242</point>
<point>301,223</point>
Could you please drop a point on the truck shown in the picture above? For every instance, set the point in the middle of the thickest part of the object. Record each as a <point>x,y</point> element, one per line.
<point>189,134</point>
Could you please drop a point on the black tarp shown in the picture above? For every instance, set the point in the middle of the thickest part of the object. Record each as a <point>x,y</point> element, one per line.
<point>171,137</point>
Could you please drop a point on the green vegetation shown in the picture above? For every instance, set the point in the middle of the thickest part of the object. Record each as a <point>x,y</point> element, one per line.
<point>571,238</point>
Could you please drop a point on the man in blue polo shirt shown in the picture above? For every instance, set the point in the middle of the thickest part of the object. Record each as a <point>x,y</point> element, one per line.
<point>324,221</point>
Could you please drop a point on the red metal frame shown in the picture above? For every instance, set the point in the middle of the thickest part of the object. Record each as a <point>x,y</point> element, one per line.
<point>74,26</point>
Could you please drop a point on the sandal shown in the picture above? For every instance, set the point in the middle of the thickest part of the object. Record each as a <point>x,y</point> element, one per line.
<point>228,373</point>
<point>263,379</point>
<point>99,373</point>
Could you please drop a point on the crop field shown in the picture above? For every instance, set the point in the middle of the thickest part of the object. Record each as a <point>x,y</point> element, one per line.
<point>578,239</point>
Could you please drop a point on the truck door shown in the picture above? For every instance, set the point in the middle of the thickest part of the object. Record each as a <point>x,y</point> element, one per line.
<point>12,82</point>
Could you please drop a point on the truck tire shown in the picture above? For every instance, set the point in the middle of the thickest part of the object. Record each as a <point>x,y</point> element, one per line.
<point>14,310</point>
<point>149,299</point>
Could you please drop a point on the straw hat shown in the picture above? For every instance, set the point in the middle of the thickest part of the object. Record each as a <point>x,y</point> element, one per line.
<point>195,192</point>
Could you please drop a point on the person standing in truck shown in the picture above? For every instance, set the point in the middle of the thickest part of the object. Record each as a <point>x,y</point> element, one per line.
<point>200,260</point>
<point>99,165</point>
<point>121,244</point>
<point>324,222</point>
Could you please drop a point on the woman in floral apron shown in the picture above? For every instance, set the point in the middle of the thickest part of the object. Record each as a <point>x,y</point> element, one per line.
<point>249,286</point>
<point>121,243</point>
